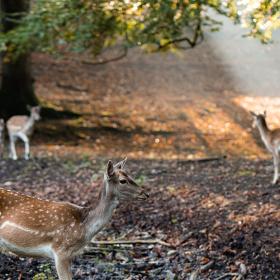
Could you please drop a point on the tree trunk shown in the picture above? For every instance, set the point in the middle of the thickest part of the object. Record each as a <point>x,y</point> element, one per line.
<point>17,83</point>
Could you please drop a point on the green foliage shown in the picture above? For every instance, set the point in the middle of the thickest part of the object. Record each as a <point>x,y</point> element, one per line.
<point>59,26</point>
<point>261,17</point>
<point>46,273</point>
<point>265,19</point>
<point>140,180</point>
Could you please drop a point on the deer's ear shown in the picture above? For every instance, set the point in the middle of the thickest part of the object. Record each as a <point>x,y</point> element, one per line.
<point>264,113</point>
<point>121,164</point>
<point>253,114</point>
<point>110,169</point>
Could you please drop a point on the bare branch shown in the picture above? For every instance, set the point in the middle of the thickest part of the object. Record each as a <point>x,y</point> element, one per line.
<point>124,54</point>
<point>198,34</point>
<point>137,241</point>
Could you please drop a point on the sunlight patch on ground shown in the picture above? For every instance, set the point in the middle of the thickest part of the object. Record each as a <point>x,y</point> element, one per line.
<point>259,104</point>
<point>214,201</point>
<point>253,212</point>
<point>220,133</point>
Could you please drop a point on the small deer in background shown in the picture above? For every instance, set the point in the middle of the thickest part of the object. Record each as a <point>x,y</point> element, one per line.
<point>2,129</point>
<point>59,230</point>
<point>271,139</point>
<point>21,127</point>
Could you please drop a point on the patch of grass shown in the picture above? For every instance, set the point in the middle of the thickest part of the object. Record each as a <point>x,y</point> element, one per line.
<point>73,167</point>
<point>245,172</point>
<point>140,179</point>
<point>69,166</point>
<point>46,273</point>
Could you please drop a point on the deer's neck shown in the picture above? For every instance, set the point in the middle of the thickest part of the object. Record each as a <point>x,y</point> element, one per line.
<point>265,133</point>
<point>100,215</point>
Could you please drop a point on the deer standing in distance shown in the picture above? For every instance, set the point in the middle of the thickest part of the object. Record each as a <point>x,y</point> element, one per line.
<point>2,129</point>
<point>271,139</point>
<point>21,127</point>
<point>60,230</point>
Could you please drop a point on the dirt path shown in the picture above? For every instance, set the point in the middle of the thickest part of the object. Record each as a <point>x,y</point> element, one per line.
<point>159,105</point>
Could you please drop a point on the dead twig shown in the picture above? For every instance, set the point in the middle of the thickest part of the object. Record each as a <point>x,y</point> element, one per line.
<point>137,241</point>
<point>242,269</point>
<point>203,268</point>
<point>233,274</point>
<point>71,87</point>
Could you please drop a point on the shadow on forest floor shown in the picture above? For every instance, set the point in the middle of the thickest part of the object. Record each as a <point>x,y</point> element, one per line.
<point>152,106</point>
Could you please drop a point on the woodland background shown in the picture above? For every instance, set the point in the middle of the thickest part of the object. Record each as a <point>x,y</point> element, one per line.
<point>153,81</point>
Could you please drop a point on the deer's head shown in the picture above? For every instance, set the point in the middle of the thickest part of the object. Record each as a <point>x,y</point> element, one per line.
<point>35,112</point>
<point>258,119</point>
<point>119,184</point>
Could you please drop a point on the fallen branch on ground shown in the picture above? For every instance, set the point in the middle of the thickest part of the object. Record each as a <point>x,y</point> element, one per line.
<point>137,241</point>
<point>206,159</point>
<point>71,87</point>
<point>229,274</point>
<point>237,275</point>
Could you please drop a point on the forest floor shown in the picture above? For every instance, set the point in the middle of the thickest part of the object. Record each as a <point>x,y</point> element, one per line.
<point>222,214</point>
<point>218,217</point>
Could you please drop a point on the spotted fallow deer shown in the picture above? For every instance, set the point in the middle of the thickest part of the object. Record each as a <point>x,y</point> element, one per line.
<point>21,127</point>
<point>59,230</point>
<point>2,129</point>
<point>271,139</point>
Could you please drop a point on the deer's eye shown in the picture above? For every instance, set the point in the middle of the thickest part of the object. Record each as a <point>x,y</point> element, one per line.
<point>123,181</point>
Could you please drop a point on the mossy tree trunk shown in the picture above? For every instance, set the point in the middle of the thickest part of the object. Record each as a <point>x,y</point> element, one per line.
<point>16,90</point>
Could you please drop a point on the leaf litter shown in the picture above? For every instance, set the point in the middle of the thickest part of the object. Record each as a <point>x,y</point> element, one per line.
<point>217,222</point>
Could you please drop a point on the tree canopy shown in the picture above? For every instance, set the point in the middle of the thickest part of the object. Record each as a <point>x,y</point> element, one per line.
<point>58,26</point>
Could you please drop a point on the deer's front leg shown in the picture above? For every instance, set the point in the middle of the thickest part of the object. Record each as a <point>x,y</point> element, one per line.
<point>13,153</point>
<point>276,167</point>
<point>63,268</point>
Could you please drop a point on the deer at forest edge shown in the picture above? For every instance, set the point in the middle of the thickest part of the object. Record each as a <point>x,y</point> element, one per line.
<point>21,127</point>
<point>2,129</point>
<point>60,230</point>
<point>271,139</point>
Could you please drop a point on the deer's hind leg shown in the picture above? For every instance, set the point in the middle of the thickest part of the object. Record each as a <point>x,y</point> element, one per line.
<point>25,139</point>
<point>276,167</point>
<point>1,145</point>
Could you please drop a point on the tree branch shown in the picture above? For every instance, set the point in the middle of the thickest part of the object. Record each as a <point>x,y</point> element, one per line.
<point>124,54</point>
<point>192,42</point>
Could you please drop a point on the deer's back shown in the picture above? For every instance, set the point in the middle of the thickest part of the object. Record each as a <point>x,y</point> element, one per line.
<point>16,123</point>
<point>26,220</point>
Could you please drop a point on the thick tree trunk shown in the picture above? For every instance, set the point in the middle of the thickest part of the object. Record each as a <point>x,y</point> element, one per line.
<point>17,83</point>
